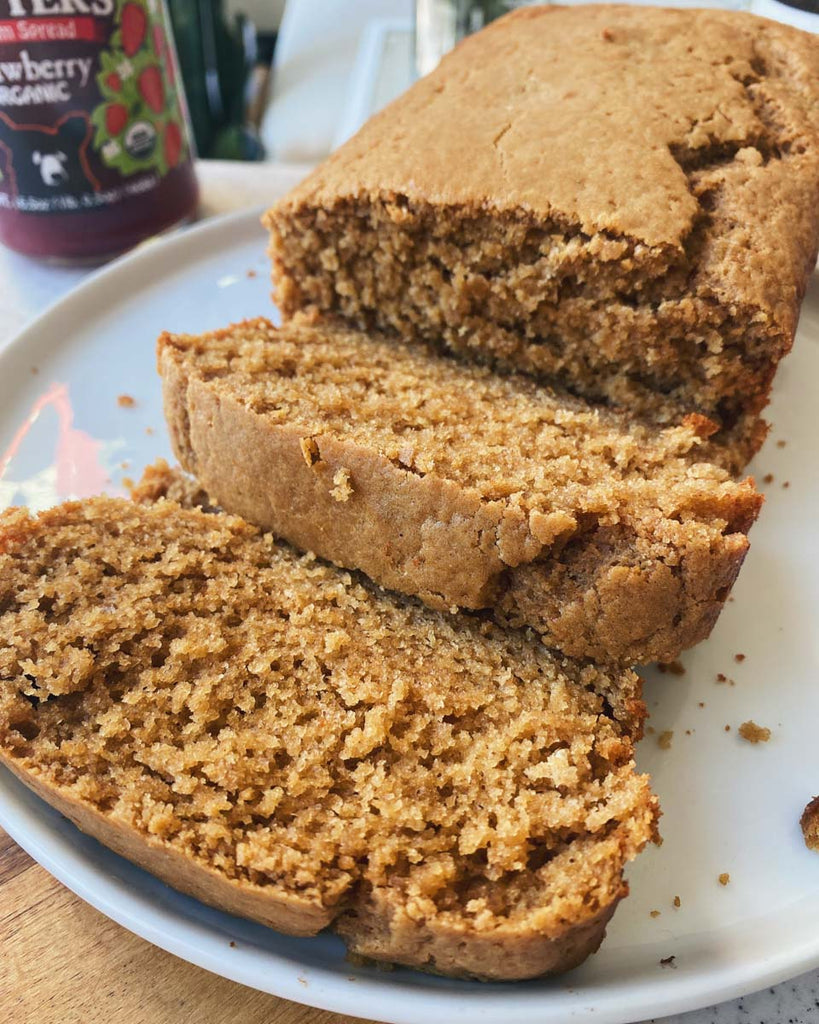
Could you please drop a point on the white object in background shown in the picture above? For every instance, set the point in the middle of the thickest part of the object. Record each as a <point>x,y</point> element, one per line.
<point>383,69</point>
<point>312,67</point>
<point>790,14</point>
<point>266,15</point>
<point>436,32</point>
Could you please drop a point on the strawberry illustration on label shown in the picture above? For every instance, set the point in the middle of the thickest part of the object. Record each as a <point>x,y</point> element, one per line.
<point>151,88</point>
<point>158,37</point>
<point>139,123</point>
<point>116,117</point>
<point>134,25</point>
<point>172,143</point>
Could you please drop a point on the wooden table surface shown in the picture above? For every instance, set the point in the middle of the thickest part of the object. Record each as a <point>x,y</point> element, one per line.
<point>62,962</point>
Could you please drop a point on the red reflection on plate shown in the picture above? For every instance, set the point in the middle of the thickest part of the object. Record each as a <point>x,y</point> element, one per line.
<point>76,456</point>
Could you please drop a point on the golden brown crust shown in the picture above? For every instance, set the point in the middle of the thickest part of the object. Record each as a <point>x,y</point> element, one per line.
<point>262,475</point>
<point>661,269</point>
<point>533,70</point>
<point>277,908</point>
<point>641,588</point>
<point>383,930</point>
<point>649,611</point>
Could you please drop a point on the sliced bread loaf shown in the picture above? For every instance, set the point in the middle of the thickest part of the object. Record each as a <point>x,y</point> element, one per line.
<point>614,541</point>
<point>280,740</point>
<point>622,198</point>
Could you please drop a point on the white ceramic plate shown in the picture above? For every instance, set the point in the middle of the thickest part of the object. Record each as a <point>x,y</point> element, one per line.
<point>729,806</point>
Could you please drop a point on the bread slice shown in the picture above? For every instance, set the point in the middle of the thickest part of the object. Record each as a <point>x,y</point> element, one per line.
<point>622,198</point>
<point>614,541</point>
<point>282,741</point>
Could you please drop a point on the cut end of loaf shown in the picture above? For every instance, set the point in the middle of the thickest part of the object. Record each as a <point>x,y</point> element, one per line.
<point>520,294</point>
<point>645,268</point>
<point>285,742</point>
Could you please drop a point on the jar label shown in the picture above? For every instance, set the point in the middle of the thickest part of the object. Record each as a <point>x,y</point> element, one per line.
<point>90,108</point>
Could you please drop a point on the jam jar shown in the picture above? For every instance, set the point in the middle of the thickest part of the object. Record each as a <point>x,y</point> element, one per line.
<point>95,147</point>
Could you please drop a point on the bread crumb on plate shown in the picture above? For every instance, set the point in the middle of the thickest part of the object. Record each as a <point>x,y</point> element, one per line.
<point>754,733</point>
<point>810,824</point>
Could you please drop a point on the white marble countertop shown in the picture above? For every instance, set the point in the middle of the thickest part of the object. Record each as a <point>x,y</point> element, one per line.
<point>28,287</point>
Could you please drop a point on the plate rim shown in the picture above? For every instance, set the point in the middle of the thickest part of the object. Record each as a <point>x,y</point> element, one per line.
<point>237,221</point>
<point>327,989</point>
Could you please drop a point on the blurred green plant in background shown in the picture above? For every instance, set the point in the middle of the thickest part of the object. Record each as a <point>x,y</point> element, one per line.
<point>217,59</point>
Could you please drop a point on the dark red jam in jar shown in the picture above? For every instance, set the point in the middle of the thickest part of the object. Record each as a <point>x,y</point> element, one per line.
<point>95,151</point>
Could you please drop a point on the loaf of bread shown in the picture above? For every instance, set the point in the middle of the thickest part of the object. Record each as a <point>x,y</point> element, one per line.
<point>281,740</point>
<point>615,541</point>
<point>622,198</point>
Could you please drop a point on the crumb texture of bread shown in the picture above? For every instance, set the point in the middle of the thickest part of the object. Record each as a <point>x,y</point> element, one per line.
<point>283,741</point>
<point>615,541</point>
<point>809,823</point>
<point>624,199</point>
